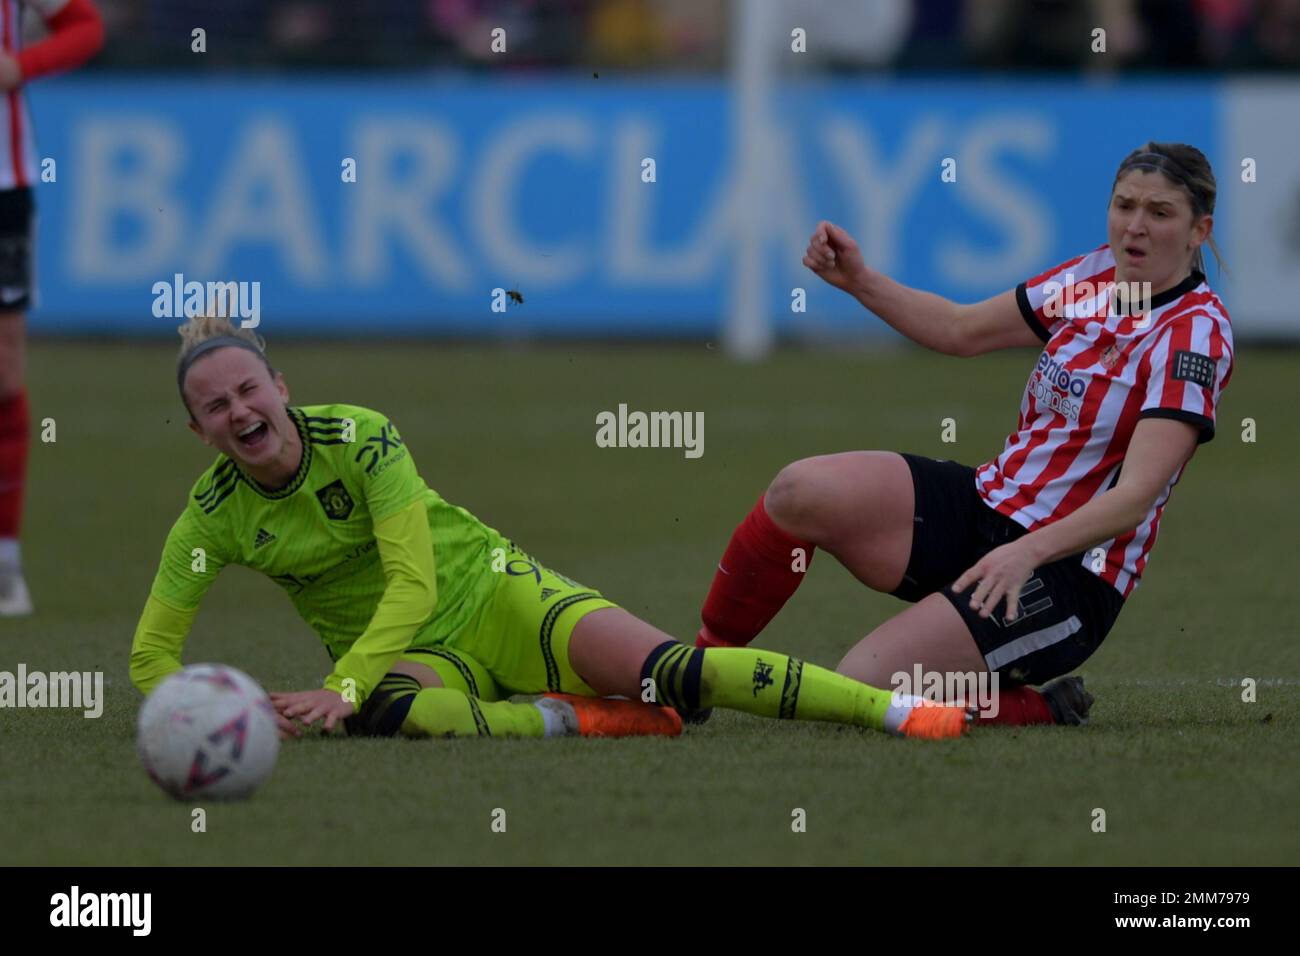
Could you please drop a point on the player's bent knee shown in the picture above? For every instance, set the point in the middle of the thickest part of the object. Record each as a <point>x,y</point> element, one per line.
<point>425,674</point>
<point>866,669</point>
<point>792,500</point>
<point>386,708</point>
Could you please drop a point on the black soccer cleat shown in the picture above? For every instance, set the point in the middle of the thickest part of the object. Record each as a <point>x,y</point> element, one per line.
<point>1068,701</point>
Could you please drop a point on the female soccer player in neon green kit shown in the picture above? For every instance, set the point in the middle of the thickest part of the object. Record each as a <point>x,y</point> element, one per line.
<point>432,618</point>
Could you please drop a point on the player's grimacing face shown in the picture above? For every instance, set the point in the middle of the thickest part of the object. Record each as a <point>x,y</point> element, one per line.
<point>238,408</point>
<point>1151,229</point>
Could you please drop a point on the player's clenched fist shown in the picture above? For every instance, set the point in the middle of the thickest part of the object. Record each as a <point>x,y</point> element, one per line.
<point>834,256</point>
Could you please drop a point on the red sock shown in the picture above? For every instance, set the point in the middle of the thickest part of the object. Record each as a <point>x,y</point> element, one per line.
<point>759,579</point>
<point>1020,706</point>
<point>13,461</point>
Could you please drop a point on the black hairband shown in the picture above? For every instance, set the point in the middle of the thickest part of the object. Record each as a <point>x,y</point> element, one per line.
<point>1161,162</point>
<point>203,348</point>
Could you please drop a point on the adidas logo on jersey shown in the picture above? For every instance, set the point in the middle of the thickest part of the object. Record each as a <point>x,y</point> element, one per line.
<point>548,593</point>
<point>263,537</point>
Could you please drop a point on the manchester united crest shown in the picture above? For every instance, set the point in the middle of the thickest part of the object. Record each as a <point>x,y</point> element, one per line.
<point>336,501</point>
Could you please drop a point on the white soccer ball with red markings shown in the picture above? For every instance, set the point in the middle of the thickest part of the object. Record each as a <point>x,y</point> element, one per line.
<point>208,732</point>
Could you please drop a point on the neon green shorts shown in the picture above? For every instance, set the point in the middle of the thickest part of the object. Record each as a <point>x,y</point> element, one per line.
<point>518,642</point>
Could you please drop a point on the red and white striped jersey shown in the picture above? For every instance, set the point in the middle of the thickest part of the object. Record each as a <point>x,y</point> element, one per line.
<point>1099,373</point>
<point>17,147</point>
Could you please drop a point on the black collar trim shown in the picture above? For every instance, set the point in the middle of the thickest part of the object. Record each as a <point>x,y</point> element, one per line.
<point>1178,291</point>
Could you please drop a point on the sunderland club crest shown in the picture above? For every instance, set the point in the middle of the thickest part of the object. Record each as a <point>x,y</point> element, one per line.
<point>1110,357</point>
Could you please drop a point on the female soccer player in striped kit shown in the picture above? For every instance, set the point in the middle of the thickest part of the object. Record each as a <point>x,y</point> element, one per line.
<point>76,33</point>
<point>432,618</point>
<point>1020,566</point>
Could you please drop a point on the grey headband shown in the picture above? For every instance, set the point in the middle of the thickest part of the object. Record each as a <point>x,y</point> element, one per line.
<point>203,348</point>
<point>1161,162</point>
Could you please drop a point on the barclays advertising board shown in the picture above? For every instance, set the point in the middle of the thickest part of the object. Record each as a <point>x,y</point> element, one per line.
<point>400,204</point>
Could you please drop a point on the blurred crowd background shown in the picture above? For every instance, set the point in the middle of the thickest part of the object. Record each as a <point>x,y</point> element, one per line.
<point>693,35</point>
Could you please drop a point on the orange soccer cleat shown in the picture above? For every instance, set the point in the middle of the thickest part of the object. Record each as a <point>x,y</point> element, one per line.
<point>928,720</point>
<point>606,717</point>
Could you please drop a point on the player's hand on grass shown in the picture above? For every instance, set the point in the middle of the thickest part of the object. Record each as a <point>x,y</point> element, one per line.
<point>309,706</point>
<point>834,257</point>
<point>1001,574</point>
<point>288,729</point>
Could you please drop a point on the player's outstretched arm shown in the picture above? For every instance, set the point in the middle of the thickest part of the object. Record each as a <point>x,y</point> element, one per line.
<point>927,319</point>
<point>191,559</point>
<point>156,648</point>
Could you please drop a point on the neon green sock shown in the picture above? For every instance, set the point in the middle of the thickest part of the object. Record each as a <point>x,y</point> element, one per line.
<point>764,683</point>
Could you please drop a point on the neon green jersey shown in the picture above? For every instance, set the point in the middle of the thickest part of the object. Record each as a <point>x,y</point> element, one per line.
<point>344,541</point>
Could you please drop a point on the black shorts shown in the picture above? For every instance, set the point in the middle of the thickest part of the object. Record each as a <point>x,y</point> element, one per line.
<point>17,213</point>
<point>1065,610</point>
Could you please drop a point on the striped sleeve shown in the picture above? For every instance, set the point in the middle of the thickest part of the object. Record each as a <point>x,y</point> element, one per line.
<point>1040,298</point>
<point>1190,363</point>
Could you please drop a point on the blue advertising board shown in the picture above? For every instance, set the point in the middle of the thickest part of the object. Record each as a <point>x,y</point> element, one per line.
<point>399,204</point>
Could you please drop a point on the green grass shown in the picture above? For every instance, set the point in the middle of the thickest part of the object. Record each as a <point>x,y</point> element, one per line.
<point>1187,773</point>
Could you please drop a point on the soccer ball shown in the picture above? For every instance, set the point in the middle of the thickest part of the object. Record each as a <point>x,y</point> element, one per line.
<point>208,731</point>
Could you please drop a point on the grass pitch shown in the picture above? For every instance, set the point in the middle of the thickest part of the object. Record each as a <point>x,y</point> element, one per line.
<point>1186,771</point>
